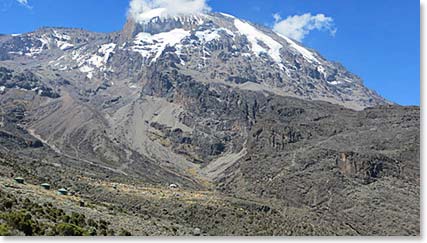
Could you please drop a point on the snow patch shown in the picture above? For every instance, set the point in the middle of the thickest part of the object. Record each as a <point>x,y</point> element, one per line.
<point>88,63</point>
<point>96,61</point>
<point>45,41</point>
<point>255,36</point>
<point>207,35</point>
<point>62,40</point>
<point>212,34</point>
<point>88,70</point>
<point>322,70</point>
<point>348,80</point>
<point>60,36</point>
<point>64,45</point>
<point>20,53</point>
<point>227,15</point>
<point>133,86</point>
<point>308,55</point>
<point>229,32</point>
<point>152,46</point>
<point>106,50</point>
<point>33,51</point>
<point>36,50</point>
<point>335,82</point>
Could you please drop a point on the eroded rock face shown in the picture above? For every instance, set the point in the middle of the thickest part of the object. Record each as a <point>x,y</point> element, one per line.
<point>367,167</point>
<point>26,80</point>
<point>342,161</point>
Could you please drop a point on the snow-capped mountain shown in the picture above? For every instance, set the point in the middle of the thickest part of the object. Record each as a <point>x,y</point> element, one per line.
<point>214,105</point>
<point>209,48</point>
<point>177,92</point>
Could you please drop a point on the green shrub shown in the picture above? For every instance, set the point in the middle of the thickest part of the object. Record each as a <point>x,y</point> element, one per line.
<point>92,223</point>
<point>103,232</point>
<point>92,232</point>
<point>78,219</point>
<point>21,221</point>
<point>66,219</point>
<point>124,232</point>
<point>8,204</point>
<point>110,232</point>
<point>64,229</point>
<point>4,230</point>
<point>103,224</point>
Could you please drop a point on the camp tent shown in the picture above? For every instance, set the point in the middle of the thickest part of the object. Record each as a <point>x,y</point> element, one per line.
<point>19,180</point>
<point>62,191</point>
<point>45,186</point>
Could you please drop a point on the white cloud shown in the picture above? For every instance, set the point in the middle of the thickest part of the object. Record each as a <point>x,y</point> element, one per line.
<point>276,17</point>
<point>24,3</point>
<point>143,10</point>
<point>299,26</point>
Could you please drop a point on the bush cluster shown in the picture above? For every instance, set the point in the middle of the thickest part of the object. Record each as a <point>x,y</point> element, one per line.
<point>23,217</point>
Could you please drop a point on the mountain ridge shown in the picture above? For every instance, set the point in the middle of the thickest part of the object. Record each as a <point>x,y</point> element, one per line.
<point>322,80</point>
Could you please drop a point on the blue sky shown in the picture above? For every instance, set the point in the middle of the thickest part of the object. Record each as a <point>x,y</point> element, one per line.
<point>379,40</point>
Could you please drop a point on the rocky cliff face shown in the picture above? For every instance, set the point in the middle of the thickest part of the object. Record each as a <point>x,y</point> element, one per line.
<point>214,102</point>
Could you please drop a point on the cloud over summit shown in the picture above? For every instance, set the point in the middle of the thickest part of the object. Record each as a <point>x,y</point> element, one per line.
<point>296,27</point>
<point>143,10</point>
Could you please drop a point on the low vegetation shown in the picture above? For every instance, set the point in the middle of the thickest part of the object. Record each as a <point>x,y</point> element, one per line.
<point>24,217</point>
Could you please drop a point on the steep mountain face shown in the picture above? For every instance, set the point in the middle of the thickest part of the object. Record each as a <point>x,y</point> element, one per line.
<point>209,48</point>
<point>210,101</point>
